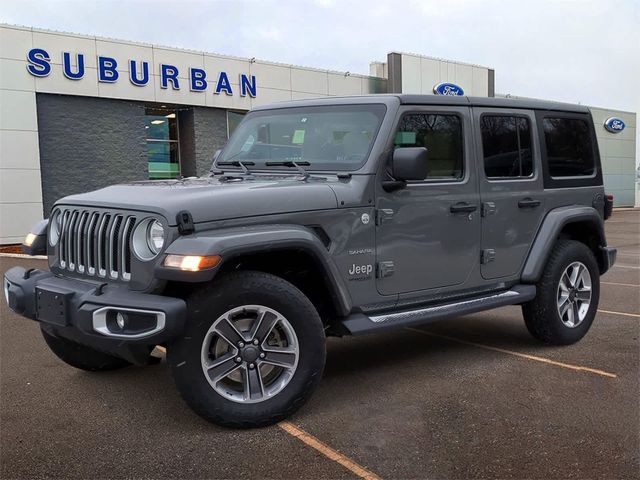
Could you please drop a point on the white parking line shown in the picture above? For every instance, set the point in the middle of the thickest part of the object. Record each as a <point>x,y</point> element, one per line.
<point>619,313</point>
<point>621,284</point>
<point>327,451</point>
<point>518,354</point>
<point>634,267</point>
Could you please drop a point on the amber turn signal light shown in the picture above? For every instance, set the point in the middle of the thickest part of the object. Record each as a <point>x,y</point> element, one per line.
<point>191,263</point>
<point>29,239</point>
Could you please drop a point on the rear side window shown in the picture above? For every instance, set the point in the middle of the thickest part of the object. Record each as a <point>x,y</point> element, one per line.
<point>569,147</point>
<point>441,134</point>
<point>506,146</point>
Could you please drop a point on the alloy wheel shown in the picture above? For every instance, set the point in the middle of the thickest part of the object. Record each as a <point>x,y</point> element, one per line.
<point>250,354</point>
<point>574,294</point>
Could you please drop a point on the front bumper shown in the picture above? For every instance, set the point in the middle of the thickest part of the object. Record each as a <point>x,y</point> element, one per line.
<point>87,312</point>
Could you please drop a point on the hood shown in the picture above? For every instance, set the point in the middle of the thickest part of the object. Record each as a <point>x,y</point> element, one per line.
<point>209,199</point>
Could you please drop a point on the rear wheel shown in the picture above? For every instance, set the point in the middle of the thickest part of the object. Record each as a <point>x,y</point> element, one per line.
<point>252,353</point>
<point>81,356</point>
<point>567,295</point>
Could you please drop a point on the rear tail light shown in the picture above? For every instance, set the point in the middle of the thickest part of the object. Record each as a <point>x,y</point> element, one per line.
<point>608,206</point>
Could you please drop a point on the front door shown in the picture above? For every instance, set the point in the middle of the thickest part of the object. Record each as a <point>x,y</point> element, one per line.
<point>511,189</point>
<point>428,234</point>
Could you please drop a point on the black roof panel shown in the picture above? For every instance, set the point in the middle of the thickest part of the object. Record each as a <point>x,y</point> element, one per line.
<point>408,99</point>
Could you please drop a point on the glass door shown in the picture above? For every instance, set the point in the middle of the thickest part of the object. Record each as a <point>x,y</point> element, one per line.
<point>163,148</point>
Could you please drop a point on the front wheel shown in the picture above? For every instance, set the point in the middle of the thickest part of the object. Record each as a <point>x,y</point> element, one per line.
<point>567,295</point>
<point>252,353</point>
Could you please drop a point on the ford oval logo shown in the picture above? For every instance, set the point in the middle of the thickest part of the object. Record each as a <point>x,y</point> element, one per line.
<point>614,125</point>
<point>448,89</point>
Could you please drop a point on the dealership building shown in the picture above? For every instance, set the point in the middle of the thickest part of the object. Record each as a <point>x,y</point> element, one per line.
<point>78,112</point>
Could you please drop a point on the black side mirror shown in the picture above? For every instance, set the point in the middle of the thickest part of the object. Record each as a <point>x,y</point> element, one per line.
<point>408,163</point>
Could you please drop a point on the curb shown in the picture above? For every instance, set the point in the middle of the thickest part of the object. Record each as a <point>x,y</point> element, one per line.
<point>22,255</point>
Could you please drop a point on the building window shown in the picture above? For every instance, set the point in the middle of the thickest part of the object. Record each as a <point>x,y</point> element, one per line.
<point>233,120</point>
<point>569,147</point>
<point>506,146</point>
<point>442,136</point>
<point>163,148</point>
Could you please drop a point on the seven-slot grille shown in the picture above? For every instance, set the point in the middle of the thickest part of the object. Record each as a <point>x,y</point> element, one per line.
<point>96,243</point>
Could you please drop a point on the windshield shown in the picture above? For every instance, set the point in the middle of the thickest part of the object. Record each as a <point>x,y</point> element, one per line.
<point>337,137</point>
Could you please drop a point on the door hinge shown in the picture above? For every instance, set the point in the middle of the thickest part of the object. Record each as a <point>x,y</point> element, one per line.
<point>384,269</point>
<point>382,215</point>
<point>487,255</point>
<point>488,208</point>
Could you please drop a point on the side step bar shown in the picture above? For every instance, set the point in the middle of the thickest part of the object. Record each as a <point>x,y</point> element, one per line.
<point>359,323</point>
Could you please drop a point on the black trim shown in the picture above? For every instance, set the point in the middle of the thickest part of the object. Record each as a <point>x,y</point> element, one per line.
<point>81,299</point>
<point>359,323</point>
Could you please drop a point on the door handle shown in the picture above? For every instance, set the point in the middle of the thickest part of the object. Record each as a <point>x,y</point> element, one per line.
<point>529,203</point>
<point>463,207</point>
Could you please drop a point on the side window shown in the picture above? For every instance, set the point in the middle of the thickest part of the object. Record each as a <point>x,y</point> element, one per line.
<point>506,146</point>
<point>441,134</point>
<point>569,147</point>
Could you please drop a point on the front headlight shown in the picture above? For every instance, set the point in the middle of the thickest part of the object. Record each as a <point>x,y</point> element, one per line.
<point>55,228</point>
<point>148,239</point>
<point>155,236</point>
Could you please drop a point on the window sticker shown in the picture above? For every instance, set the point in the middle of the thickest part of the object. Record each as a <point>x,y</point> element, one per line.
<point>405,138</point>
<point>247,144</point>
<point>298,137</point>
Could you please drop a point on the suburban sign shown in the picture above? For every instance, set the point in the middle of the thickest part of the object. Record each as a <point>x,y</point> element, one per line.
<point>447,89</point>
<point>109,71</point>
<point>614,125</point>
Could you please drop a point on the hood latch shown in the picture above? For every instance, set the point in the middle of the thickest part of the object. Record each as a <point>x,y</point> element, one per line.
<point>185,223</point>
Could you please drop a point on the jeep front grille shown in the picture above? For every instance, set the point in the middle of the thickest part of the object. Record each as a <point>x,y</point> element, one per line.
<point>96,243</point>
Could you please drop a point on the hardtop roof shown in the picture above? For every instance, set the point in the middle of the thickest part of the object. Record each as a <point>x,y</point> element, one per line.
<point>411,99</point>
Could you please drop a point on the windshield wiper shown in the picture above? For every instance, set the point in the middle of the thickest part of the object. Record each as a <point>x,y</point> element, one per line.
<point>291,163</point>
<point>237,163</point>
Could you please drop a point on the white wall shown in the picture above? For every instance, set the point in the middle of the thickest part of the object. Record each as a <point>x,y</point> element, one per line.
<point>20,183</point>
<point>420,74</point>
<point>618,155</point>
<point>20,187</point>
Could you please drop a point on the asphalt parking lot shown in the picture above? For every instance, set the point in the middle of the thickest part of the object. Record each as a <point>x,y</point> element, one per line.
<point>474,397</point>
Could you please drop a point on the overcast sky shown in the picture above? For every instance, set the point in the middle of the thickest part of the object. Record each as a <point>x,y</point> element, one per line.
<point>570,50</point>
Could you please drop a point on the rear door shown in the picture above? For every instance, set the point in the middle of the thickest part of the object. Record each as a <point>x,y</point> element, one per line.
<point>511,187</point>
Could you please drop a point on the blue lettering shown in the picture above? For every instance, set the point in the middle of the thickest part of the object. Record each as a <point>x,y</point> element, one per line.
<point>247,85</point>
<point>67,67</point>
<point>39,65</point>
<point>169,72</point>
<point>107,69</point>
<point>133,73</point>
<point>224,84</point>
<point>198,82</point>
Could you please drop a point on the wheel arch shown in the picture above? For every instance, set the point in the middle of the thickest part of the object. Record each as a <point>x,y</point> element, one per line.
<point>580,223</point>
<point>288,251</point>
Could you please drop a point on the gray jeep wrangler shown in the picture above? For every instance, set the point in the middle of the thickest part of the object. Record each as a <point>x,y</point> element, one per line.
<point>338,216</point>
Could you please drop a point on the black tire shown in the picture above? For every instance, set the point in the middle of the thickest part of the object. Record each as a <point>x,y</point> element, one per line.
<point>209,303</point>
<point>541,314</point>
<point>81,356</point>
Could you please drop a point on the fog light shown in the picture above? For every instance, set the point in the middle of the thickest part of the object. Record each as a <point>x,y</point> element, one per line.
<point>192,263</point>
<point>121,320</point>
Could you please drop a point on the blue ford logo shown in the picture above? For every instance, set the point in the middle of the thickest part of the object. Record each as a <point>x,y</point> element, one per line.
<point>614,125</point>
<point>448,89</point>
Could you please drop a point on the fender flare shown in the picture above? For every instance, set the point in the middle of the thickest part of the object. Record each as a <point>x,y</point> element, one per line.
<point>548,232</point>
<point>233,242</point>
